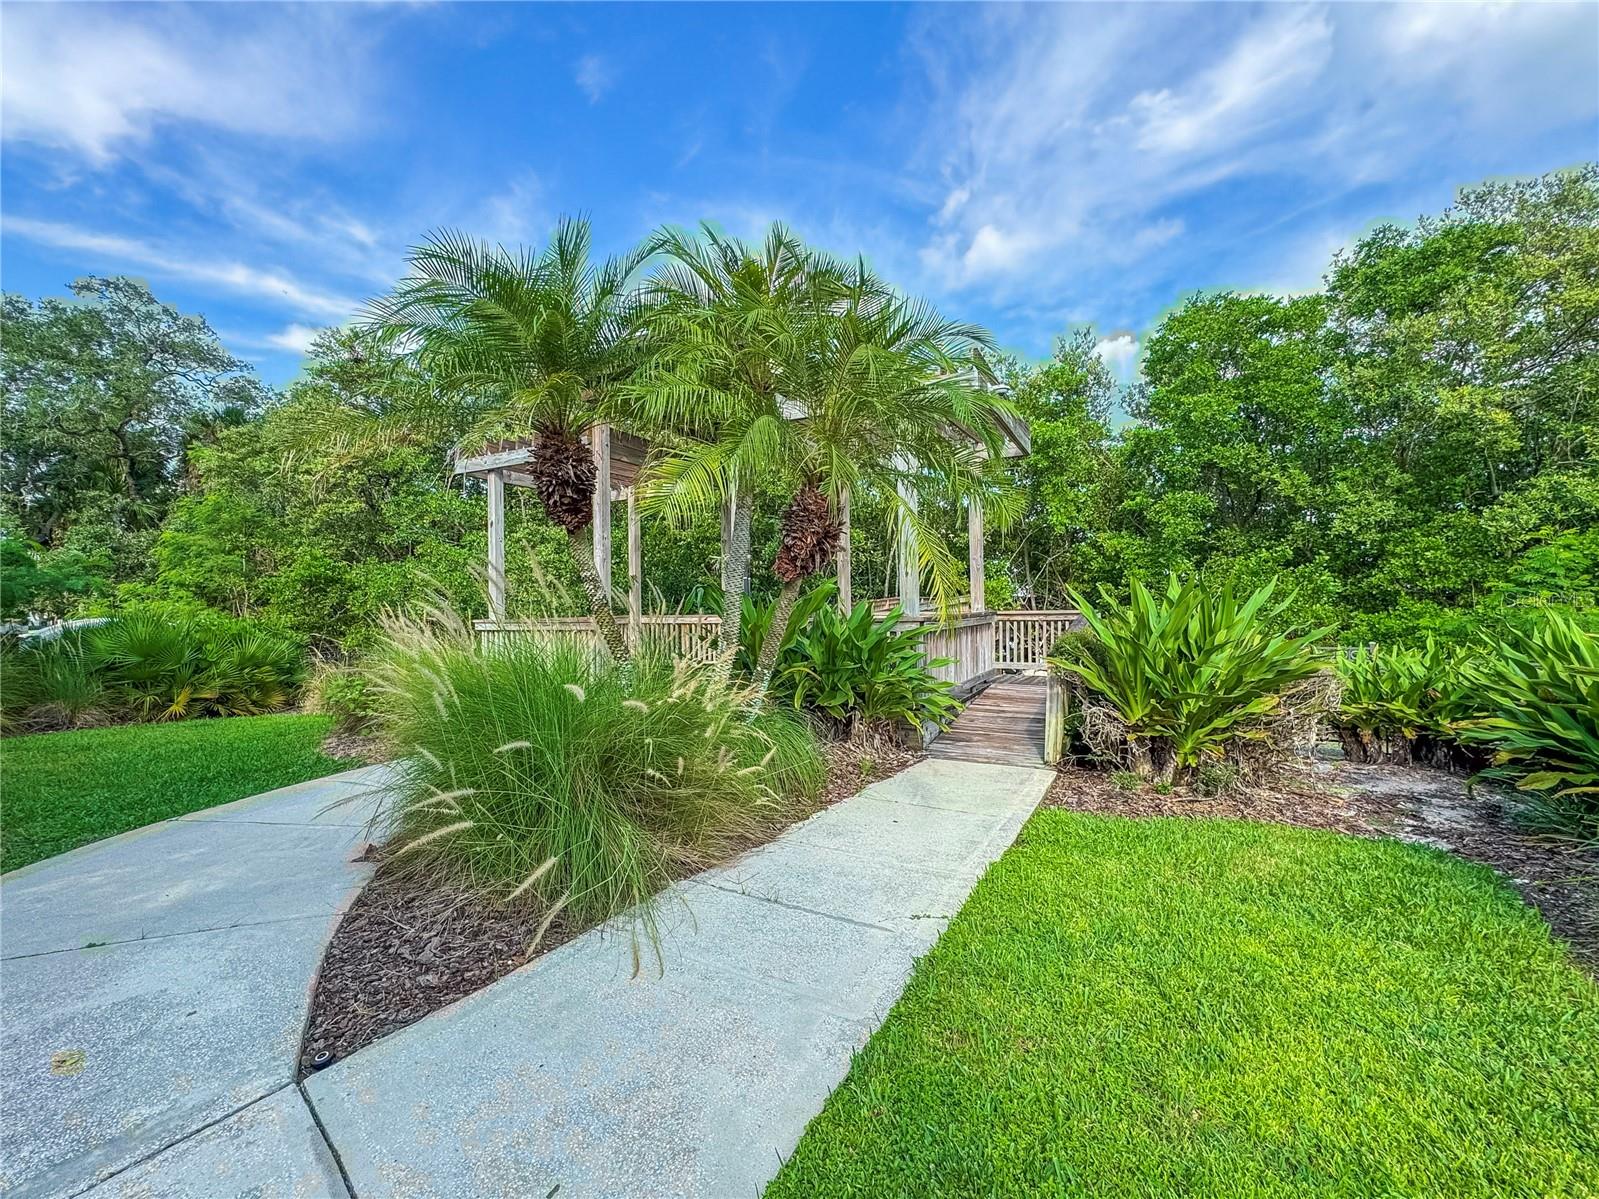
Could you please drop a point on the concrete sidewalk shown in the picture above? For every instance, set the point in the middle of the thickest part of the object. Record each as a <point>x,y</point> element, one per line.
<point>155,987</point>
<point>572,1073</point>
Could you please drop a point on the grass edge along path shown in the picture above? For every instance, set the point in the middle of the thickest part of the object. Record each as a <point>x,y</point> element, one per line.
<point>1204,1007</point>
<point>62,790</point>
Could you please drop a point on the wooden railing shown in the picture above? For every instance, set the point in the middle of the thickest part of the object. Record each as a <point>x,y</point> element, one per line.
<point>966,646</point>
<point>682,635</point>
<point>976,644</point>
<point>1023,639</point>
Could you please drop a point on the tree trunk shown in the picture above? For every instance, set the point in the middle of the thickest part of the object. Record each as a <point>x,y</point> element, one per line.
<point>766,662</point>
<point>599,604</point>
<point>735,569</point>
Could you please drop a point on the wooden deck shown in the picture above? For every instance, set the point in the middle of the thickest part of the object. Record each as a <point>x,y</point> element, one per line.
<point>1004,725</point>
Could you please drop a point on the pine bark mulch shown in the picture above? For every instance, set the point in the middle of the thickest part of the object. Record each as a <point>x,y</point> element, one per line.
<point>406,949</point>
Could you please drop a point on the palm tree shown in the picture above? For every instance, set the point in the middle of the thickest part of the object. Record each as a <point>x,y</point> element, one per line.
<point>787,363</point>
<point>523,344</point>
<point>725,322</point>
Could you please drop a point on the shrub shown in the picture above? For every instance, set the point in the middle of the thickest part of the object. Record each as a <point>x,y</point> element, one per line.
<point>544,772</point>
<point>1399,705</point>
<point>862,671</point>
<point>758,618</point>
<point>344,693</point>
<point>164,666</point>
<point>155,663</point>
<point>1540,693</point>
<point>1191,675</point>
<point>1080,645</point>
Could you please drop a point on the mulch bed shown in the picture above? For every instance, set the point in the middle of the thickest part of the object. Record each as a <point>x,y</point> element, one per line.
<point>1296,800</point>
<point>1418,804</point>
<point>407,948</point>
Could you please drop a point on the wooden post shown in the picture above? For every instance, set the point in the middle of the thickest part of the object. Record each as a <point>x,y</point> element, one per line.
<point>496,486</point>
<point>1054,718</point>
<point>910,573</point>
<point>635,571</point>
<point>974,556</point>
<point>600,439</point>
<point>845,594</point>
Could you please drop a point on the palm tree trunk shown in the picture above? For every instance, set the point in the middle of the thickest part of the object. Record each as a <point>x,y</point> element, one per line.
<point>735,569</point>
<point>766,661</point>
<point>599,604</point>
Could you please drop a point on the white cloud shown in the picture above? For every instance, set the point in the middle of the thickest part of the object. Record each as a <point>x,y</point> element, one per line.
<point>215,274</point>
<point>1068,138</point>
<point>594,76</point>
<point>99,80</point>
<point>296,338</point>
<point>1118,350</point>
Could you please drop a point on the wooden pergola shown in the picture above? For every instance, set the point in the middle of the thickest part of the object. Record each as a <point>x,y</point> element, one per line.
<point>619,457</point>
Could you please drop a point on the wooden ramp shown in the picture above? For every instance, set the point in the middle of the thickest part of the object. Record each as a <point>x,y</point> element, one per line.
<point>1003,725</point>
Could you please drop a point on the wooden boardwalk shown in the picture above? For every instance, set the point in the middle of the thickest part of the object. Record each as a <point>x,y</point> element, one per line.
<point>1003,725</point>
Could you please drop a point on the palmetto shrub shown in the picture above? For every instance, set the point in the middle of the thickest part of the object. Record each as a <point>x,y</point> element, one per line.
<point>860,670</point>
<point>1190,676</point>
<point>162,666</point>
<point>1539,691</point>
<point>1398,705</point>
<point>542,772</point>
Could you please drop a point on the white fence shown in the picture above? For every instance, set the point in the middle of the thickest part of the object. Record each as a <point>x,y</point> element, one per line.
<point>1023,639</point>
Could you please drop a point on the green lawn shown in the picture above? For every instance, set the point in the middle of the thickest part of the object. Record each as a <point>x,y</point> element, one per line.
<point>62,790</point>
<point>1211,1008</point>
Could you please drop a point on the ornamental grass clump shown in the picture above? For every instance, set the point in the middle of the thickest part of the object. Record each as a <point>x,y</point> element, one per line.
<point>541,772</point>
<point>1193,676</point>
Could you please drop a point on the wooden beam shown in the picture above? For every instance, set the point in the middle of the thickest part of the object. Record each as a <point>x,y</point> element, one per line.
<point>845,592</point>
<point>485,464</point>
<point>496,486</point>
<point>635,571</point>
<point>974,555</point>
<point>910,571</point>
<point>600,440</point>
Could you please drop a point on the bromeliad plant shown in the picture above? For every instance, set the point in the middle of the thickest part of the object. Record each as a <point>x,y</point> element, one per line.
<point>861,671</point>
<point>1399,705</point>
<point>1188,676</point>
<point>543,773</point>
<point>1540,693</point>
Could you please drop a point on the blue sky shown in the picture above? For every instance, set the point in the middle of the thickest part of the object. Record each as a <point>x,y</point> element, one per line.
<point>1034,168</point>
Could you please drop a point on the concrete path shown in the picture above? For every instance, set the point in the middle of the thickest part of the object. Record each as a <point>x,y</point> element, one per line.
<point>572,1077</point>
<point>154,989</point>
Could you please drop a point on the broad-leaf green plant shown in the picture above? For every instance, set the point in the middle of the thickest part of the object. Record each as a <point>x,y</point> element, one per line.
<point>1399,704</point>
<point>1540,692</point>
<point>1191,671</point>
<point>861,670</point>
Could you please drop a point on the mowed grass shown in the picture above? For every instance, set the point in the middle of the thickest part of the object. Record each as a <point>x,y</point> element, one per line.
<point>62,790</point>
<point>1207,1008</point>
